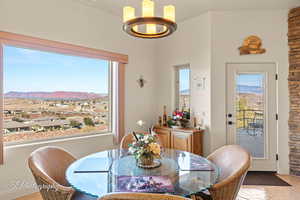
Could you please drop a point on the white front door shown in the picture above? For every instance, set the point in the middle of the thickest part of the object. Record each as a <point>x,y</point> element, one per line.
<point>252,112</point>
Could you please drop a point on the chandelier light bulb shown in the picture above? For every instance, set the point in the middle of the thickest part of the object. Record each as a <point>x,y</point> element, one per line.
<point>169,12</point>
<point>148,8</point>
<point>128,14</point>
<point>148,11</point>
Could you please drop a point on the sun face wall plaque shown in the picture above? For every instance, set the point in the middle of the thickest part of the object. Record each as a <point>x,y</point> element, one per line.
<point>252,45</point>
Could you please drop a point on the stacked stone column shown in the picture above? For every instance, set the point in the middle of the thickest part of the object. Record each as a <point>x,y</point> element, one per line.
<point>294,89</point>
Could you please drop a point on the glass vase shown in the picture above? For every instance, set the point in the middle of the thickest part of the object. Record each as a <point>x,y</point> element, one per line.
<point>145,160</point>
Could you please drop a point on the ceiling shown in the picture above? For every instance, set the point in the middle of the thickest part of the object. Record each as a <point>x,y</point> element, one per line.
<point>190,8</point>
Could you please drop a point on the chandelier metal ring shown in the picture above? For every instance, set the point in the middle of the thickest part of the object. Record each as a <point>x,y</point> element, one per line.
<point>169,25</point>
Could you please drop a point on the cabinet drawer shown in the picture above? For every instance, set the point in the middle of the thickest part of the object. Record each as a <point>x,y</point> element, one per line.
<point>181,135</point>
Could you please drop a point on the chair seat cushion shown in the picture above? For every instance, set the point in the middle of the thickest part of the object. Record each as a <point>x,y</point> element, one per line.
<point>81,196</point>
<point>204,195</point>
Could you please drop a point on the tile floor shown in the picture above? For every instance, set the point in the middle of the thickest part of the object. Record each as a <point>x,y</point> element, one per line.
<point>272,192</point>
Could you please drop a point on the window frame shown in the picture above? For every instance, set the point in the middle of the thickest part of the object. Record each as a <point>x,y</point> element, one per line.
<point>177,68</point>
<point>112,108</point>
<point>120,61</point>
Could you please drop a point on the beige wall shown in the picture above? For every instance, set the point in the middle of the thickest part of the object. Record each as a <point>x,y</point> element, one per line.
<point>210,41</point>
<point>67,21</point>
<point>191,44</point>
<point>229,29</point>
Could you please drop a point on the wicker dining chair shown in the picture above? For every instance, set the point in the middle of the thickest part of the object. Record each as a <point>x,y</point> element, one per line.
<point>234,163</point>
<point>48,166</point>
<point>141,196</point>
<point>126,140</point>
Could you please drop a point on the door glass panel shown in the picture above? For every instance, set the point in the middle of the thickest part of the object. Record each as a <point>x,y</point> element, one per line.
<point>250,112</point>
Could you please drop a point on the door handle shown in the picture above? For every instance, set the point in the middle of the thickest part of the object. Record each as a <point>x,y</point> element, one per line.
<point>230,123</point>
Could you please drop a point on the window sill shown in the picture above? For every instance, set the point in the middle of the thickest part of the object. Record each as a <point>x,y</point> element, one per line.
<point>12,145</point>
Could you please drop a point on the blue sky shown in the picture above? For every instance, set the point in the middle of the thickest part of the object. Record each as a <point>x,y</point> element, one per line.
<point>30,70</point>
<point>184,79</point>
<point>250,79</point>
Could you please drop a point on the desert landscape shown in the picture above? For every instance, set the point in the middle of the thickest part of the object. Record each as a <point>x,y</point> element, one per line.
<point>41,115</point>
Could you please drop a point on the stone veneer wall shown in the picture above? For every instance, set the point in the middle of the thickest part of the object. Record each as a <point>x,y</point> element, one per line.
<point>294,89</point>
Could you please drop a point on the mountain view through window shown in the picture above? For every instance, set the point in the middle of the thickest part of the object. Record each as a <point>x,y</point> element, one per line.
<point>67,95</point>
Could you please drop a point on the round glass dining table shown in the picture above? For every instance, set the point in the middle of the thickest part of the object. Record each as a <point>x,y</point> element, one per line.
<point>180,173</point>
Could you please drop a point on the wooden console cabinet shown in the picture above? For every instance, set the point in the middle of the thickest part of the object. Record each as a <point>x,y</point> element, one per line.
<point>185,139</point>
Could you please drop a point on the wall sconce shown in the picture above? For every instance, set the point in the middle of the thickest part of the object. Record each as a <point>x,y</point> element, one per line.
<point>141,81</point>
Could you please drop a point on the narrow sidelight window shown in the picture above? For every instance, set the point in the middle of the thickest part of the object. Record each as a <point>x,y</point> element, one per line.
<point>182,87</point>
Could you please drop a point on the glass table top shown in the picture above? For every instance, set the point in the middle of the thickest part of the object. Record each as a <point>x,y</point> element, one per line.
<point>105,172</point>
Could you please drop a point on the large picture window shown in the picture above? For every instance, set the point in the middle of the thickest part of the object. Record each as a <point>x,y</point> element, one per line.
<point>53,90</point>
<point>49,95</point>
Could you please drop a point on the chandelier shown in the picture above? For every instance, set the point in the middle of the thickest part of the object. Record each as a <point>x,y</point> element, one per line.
<point>148,26</point>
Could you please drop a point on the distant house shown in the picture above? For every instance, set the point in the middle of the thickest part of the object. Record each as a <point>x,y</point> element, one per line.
<point>40,124</point>
<point>12,112</point>
<point>17,112</point>
<point>7,112</point>
<point>62,105</point>
<point>13,126</point>
<point>76,118</point>
<point>52,125</point>
<point>34,114</point>
<point>45,119</point>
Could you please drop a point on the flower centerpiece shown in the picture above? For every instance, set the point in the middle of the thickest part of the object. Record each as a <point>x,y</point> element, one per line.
<point>145,150</point>
<point>182,118</point>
